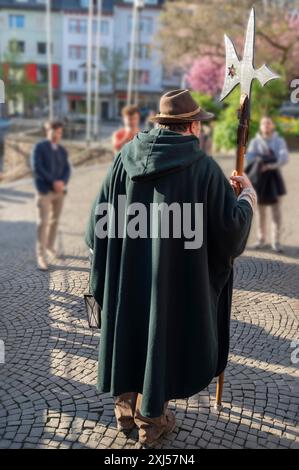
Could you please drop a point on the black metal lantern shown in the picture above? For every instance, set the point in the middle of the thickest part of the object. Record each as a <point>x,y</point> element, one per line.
<point>93,311</point>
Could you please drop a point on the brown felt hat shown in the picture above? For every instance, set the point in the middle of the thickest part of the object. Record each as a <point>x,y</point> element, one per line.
<point>178,106</point>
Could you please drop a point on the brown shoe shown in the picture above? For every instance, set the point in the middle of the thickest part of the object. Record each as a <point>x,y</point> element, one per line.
<point>124,411</point>
<point>126,428</point>
<point>151,435</point>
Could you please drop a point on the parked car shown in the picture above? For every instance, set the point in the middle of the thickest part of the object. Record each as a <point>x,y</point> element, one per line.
<point>289,109</point>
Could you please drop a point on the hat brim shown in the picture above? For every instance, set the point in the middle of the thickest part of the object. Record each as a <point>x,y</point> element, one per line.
<point>201,116</point>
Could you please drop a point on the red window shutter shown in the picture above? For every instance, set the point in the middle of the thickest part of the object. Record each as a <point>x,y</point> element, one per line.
<point>31,72</point>
<point>55,76</point>
<point>5,68</point>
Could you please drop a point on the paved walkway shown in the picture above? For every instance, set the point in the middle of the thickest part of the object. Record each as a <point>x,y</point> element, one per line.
<point>47,385</point>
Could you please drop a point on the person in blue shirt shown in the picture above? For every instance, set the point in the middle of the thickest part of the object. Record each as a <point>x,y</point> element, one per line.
<point>51,173</point>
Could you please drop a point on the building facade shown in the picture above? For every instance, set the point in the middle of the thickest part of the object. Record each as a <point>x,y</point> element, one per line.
<point>23,52</point>
<point>23,49</point>
<point>148,68</point>
<point>74,58</point>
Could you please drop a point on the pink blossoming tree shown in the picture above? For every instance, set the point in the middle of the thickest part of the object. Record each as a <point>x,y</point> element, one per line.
<point>206,76</point>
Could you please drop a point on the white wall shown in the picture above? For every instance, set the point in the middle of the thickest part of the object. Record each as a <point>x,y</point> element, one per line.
<point>122,39</point>
<point>34,31</point>
<point>80,39</point>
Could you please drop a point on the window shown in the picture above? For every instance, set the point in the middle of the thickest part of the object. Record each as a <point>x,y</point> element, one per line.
<point>143,77</point>
<point>85,76</point>
<point>144,51</point>
<point>73,76</point>
<point>41,48</point>
<point>72,26</point>
<point>78,26</point>
<point>16,21</point>
<point>42,74</point>
<point>16,46</point>
<point>104,53</point>
<point>104,78</point>
<point>77,52</point>
<point>105,27</point>
<point>145,24</point>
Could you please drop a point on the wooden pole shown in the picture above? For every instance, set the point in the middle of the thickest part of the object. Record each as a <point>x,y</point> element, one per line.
<point>242,135</point>
<point>242,141</point>
<point>219,390</point>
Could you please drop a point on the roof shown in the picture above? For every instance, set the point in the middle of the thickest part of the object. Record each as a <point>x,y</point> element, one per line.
<point>76,5</point>
<point>66,5</point>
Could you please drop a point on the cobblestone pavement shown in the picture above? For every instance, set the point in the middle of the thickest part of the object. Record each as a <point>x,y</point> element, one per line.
<point>47,384</point>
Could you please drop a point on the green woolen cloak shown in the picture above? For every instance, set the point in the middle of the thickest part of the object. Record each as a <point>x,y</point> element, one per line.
<point>165,308</point>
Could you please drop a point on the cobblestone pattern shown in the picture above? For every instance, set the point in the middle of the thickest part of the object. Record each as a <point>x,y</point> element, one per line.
<point>47,384</point>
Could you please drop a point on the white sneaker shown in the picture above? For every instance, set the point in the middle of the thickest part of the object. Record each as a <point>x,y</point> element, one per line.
<point>277,248</point>
<point>42,264</point>
<point>259,245</point>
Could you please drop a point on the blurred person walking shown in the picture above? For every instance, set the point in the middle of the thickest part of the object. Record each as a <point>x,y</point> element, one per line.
<point>165,306</point>
<point>266,154</point>
<point>51,172</point>
<point>131,121</point>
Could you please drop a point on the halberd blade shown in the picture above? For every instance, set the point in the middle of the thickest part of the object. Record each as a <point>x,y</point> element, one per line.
<point>248,55</point>
<point>264,74</point>
<point>232,66</point>
<point>243,71</point>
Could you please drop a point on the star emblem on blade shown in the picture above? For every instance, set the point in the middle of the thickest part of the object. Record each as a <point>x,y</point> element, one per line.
<point>232,71</point>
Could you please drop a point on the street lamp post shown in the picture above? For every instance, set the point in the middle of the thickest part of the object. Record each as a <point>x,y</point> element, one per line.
<point>49,58</point>
<point>132,79</point>
<point>97,107</point>
<point>89,73</point>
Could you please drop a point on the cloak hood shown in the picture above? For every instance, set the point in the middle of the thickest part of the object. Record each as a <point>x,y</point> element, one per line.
<point>152,154</point>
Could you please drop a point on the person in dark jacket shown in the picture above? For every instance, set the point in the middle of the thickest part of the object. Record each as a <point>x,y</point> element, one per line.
<point>164,231</point>
<point>51,173</point>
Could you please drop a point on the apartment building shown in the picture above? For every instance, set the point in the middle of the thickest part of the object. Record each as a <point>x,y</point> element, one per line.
<point>148,73</point>
<point>23,47</point>
<point>116,31</point>
<point>74,57</point>
<point>23,50</point>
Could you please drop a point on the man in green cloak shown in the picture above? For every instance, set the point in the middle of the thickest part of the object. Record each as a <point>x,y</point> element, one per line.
<point>165,292</point>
